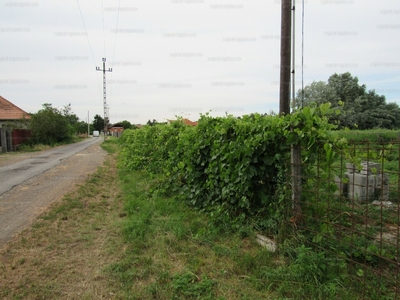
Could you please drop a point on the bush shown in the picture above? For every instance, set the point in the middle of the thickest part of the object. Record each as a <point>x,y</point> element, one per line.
<point>233,168</point>
<point>49,126</point>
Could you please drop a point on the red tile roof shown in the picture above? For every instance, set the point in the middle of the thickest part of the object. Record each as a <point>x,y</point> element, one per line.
<point>186,122</point>
<point>9,111</point>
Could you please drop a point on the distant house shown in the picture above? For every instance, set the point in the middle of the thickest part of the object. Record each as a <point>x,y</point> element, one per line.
<point>116,130</point>
<point>185,121</point>
<point>12,125</point>
<point>10,114</point>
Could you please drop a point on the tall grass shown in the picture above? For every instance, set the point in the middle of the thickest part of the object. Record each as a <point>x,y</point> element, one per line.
<point>175,252</point>
<point>375,136</point>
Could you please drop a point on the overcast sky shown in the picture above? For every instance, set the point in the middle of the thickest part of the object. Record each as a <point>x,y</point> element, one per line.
<point>186,57</point>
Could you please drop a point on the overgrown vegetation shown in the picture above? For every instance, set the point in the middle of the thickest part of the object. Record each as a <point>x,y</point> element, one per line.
<point>50,125</point>
<point>126,240</point>
<point>176,252</point>
<point>236,171</point>
<point>360,237</point>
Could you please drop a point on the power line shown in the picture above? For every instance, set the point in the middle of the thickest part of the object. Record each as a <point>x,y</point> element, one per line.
<point>104,34</point>
<point>87,37</point>
<point>116,31</point>
<point>115,43</point>
<point>84,27</point>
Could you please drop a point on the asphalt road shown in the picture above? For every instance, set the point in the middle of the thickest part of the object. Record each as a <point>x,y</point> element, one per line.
<point>15,174</point>
<point>30,186</point>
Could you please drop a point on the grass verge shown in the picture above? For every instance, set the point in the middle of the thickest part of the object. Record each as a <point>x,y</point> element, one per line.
<point>116,237</point>
<point>64,253</point>
<point>174,253</point>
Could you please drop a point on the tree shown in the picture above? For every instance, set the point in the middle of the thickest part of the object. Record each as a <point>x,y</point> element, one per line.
<point>346,87</point>
<point>317,92</point>
<point>73,120</point>
<point>81,127</point>
<point>357,107</point>
<point>151,123</point>
<point>154,122</point>
<point>98,123</point>
<point>69,115</point>
<point>50,126</point>
<point>373,112</point>
<point>126,124</point>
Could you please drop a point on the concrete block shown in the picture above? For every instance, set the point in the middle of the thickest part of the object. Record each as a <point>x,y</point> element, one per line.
<point>369,168</point>
<point>351,168</point>
<point>361,187</point>
<point>342,186</point>
<point>366,184</point>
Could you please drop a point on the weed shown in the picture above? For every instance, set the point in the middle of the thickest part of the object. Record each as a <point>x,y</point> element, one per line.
<point>189,286</point>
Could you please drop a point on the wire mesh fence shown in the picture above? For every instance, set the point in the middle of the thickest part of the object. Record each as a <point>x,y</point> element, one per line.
<point>351,211</point>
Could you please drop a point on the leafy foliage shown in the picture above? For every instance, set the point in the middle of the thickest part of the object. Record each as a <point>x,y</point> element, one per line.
<point>359,108</point>
<point>73,120</point>
<point>98,123</point>
<point>148,148</point>
<point>233,168</point>
<point>50,125</point>
<point>236,170</point>
<point>126,124</point>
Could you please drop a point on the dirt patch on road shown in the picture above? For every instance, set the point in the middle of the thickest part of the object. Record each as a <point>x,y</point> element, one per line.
<point>14,157</point>
<point>20,206</point>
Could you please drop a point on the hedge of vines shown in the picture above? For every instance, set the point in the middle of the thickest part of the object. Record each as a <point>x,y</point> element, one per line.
<point>234,168</point>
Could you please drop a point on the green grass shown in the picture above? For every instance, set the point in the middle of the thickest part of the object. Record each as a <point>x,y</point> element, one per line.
<point>110,145</point>
<point>373,136</point>
<point>132,242</point>
<point>192,258</point>
<point>175,252</point>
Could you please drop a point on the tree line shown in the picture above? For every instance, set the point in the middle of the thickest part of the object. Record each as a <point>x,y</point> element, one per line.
<point>357,107</point>
<point>52,125</point>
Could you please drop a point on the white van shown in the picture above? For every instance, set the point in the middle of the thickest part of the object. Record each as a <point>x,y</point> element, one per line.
<point>96,133</point>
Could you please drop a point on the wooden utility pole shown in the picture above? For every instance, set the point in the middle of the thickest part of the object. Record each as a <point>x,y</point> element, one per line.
<point>284,102</point>
<point>88,126</point>
<point>284,87</point>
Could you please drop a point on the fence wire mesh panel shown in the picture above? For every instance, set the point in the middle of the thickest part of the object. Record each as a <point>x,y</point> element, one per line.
<point>351,215</point>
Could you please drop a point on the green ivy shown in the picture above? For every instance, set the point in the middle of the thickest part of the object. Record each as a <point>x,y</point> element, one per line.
<point>234,168</point>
